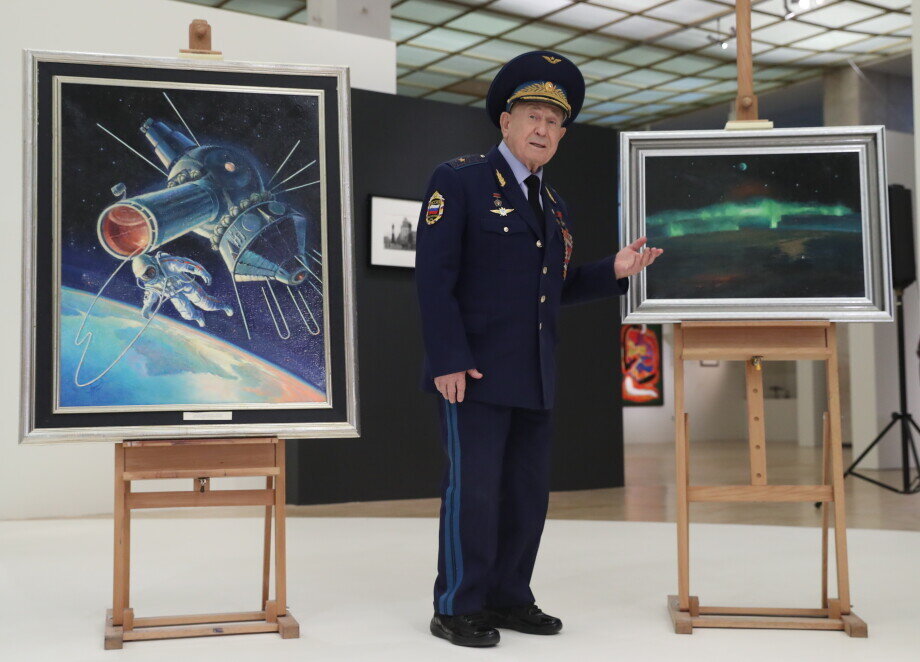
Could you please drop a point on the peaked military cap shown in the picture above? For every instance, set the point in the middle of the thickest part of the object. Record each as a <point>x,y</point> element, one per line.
<point>542,76</point>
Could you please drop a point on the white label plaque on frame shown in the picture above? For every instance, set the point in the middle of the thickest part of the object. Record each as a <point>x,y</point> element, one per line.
<point>207,416</point>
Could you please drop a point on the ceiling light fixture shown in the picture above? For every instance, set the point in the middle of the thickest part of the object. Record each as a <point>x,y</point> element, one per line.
<point>800,6</point>
<point>722,39</point>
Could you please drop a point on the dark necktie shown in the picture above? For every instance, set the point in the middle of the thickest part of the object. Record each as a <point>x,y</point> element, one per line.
<point>533,196</point>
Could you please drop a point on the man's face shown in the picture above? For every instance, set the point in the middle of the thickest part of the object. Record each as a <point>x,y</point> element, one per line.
<point>532,131</point>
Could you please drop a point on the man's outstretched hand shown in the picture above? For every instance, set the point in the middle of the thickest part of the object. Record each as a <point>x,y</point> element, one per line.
<point>632,259</point>
<point>453,386</point>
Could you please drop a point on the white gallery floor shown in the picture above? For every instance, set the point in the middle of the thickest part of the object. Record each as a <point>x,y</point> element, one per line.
<point>361,590</point>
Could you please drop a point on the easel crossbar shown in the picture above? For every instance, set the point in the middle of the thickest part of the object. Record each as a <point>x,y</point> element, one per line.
<point>198,619</point>
<point>135,500</point>
<point>764,493</point>
<point>198,631</point>
<point>200,473</point>
<point>763,611</point>
<point>767,623</point>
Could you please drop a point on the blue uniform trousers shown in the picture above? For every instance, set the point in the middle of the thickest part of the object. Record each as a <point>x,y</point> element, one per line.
<point>493,504</point>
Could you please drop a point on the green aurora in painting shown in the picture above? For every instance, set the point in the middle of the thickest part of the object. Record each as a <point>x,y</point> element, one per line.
<point>755,226</point>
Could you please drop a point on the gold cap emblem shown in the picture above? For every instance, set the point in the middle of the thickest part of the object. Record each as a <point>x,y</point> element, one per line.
<point>545,91</point>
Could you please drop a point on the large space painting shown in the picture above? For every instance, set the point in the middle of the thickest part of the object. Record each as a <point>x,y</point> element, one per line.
<point>191,273</point>
<point>755,225</point>
<point>783,224</point>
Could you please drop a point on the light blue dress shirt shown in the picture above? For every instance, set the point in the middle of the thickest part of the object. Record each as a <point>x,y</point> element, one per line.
<point>519,170</point>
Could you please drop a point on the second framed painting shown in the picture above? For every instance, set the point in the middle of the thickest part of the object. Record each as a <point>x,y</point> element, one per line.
<point>188,255</point>
<point>775,224</point>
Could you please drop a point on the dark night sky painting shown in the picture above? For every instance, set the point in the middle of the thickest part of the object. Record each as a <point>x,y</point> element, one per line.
<point>755,226</point>
<point>205,204</point>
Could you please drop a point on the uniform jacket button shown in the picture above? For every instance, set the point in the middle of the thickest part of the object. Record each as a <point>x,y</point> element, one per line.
<point>545,270</point>
<point>539,244</point>
<point>505,228</point>
<point>543,299</point>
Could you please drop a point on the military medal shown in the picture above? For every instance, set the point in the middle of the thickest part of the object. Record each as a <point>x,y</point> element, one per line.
<point>568,241</point>
<point>435,209</point>
<point>569,244</point>
<point>501,211</point>
<point>501,180</point>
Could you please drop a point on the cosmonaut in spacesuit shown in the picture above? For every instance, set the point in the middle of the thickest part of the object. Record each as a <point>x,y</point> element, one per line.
<point>164,276</point>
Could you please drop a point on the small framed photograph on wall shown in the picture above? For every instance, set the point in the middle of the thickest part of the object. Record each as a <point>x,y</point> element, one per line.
<point>394,222</point>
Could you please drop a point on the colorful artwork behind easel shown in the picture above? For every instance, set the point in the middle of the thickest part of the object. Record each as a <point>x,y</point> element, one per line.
<point>640,363</point>
<point>189,268</point>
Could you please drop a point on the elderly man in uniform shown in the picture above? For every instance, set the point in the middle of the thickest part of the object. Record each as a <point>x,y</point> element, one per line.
<point>492,268</point>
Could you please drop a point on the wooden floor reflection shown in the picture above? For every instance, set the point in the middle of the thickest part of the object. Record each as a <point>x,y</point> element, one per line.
<point>649,494</point>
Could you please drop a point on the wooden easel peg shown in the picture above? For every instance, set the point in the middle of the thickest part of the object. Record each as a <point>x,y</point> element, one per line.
<point>199,41</point>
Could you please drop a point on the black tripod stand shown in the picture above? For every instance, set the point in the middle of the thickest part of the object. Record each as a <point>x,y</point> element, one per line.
<point>908,447</point>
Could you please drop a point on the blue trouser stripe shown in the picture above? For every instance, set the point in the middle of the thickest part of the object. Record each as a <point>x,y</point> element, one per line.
<point>448,512</point>
<point>458,550</point>
<point>454,555</point>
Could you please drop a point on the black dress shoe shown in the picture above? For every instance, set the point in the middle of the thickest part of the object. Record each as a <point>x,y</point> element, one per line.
<point>528,619</point>
<point>465,630</point>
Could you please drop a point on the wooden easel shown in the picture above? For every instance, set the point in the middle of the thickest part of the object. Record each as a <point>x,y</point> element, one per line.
<point>756,342</point>
<point>200,460</point>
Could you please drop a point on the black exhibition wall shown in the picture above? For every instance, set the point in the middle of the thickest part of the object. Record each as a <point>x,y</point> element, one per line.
<point>397,141</point>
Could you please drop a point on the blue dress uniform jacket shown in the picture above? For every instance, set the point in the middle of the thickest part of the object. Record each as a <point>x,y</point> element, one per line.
<point>491,277</point>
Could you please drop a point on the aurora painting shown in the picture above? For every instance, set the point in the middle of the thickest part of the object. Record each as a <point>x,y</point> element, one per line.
<point>755,225</point>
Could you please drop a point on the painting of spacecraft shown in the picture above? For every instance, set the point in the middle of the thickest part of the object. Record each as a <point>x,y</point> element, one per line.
<point>752,225</point>
<point>189,261</point>
<point>640,365</point>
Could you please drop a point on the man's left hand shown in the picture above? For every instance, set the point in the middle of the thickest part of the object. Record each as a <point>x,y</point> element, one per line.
<point>632,259</point>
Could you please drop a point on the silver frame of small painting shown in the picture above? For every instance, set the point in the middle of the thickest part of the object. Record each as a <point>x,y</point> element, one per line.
<point>867,141</point>
<point>28,431</point>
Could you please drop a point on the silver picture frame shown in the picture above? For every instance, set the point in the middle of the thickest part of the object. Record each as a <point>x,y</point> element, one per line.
<point>868,142</point>
<point>339,419</point>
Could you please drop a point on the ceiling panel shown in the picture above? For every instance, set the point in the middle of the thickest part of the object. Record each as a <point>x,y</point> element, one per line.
<point>839,14</point>
<point>587,16</point>
<point>639,28</point>
<point>642,59</point>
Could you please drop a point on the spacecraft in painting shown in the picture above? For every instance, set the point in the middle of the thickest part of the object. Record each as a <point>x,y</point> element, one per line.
<point>217,192</point>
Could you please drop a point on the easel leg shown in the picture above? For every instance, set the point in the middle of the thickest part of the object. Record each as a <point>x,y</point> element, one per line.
<point>836,448</point>
<point>267,549</point>
<point>288,628</point>
<point>756,424</point>
<point>119,595</point>
<point>280,569</point>
<point>682,476</point>
<point>126,550</point>
<point>825,510</point>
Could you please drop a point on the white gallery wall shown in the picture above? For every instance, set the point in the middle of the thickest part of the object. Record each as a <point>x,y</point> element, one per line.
<point>76,479</point>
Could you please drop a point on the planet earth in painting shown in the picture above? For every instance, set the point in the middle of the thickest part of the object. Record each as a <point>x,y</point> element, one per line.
<point>170,364</point>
